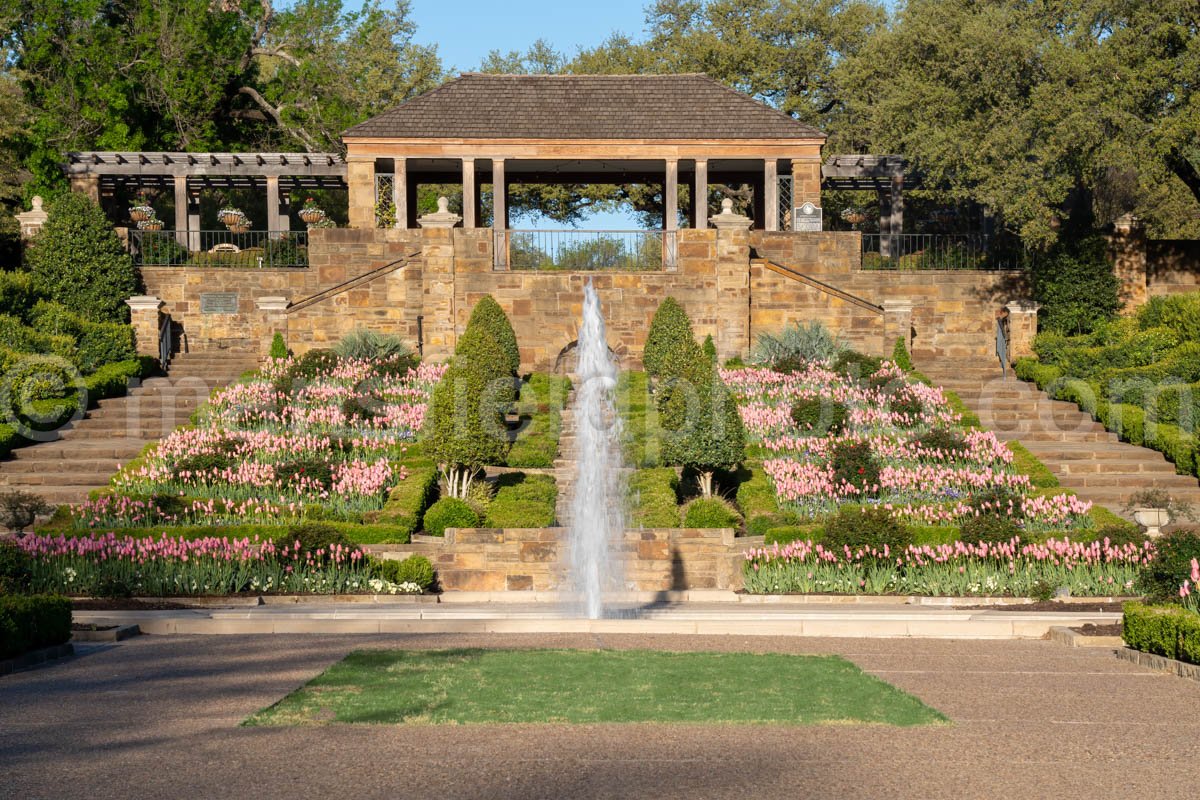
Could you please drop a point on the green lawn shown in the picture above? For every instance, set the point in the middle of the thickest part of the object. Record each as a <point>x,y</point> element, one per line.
<point>583,686</point>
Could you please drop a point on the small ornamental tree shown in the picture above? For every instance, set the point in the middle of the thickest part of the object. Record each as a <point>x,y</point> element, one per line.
<point>702,426</point>
<point>671,349</point>
<point>491,317</point>
<point>77,260</point>
<point>710,348</point>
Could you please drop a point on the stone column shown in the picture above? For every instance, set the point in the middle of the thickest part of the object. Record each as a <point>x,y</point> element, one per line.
<point>499,215</point>
<point>671,196</point>
<point>87,184</point>
<point>897,324</point>
<point>771,195</point>
<point>400,191</point>
<point>469,193</point>
<point>1022,327</point>
<point>732,307</point>
<point>272,312</point>
<point>360,178</point>
<point>145,315</point>
<point>1128,249</point>
<point>181,210</point>
<point>31,222</point>
<point>806,182</point>
<point>272,205</point>
<point>700,190</point>
<point>437,275</point>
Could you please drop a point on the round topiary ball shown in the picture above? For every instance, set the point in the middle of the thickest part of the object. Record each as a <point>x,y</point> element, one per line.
<point>449,512</point>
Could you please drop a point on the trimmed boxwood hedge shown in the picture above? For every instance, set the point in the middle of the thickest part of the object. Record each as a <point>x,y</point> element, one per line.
<point>30,622</point>
<point>1168,631</point>
<point>522,501</point>
<point>653,499</point>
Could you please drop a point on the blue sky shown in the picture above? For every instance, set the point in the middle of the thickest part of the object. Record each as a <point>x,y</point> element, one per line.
<point>467,30</point>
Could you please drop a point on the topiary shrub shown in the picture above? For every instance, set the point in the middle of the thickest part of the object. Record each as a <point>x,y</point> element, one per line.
<point>15,569</point>
<point>449,512</point>
<point>989,529</point>
<point>1159,579</point>
<point>943,440</point>
<point>710,349</point>
<point>819,416</point>
<point>490,317</point>
<point>652,498</point>
<point>18,294</point>
<point>414,569</point>
<point>854,463</point>
<point>279,347</point>
<point>871,527</point>
<point>77,260</point>
<point>710,512</point>
<point>702,428</point>
<point>671,349</point>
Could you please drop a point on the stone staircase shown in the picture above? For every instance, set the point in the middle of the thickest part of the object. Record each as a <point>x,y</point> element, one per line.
<point>1086,458</point>
<point>85,454</point>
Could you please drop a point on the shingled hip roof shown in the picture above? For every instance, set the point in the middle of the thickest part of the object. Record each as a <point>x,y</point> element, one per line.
<point>480,106</point>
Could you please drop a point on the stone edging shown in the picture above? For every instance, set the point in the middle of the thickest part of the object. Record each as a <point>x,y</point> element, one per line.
<point>1162,663</point>
<point>1070,638</point>
<point>35,657</point>
<point>117,634</point>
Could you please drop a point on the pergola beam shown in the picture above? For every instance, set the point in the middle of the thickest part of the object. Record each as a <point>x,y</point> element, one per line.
<point>206,164</point>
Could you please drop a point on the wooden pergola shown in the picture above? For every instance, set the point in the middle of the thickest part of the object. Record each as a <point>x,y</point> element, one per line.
<point>576,129</point>
<point>98,174</point>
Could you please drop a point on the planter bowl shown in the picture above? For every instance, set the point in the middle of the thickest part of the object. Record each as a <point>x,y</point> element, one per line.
<point>1152,519</point>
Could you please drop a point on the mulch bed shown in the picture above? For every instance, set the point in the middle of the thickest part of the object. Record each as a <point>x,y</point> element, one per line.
<point>1050,605</point>
<point>125,604</point>
<point>1100,630</point>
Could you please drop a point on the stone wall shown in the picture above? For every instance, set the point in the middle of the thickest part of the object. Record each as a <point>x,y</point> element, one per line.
<point>1172,266</point>
<point>535,559</point>
<point>428,298</point>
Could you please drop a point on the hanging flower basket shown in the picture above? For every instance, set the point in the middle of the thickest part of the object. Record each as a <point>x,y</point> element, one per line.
<point>151,224</point>
<point>240,225</point>
<point>141,212</point>
<point>311,215</point>
<point>230,216</point>
<point>854,216</point>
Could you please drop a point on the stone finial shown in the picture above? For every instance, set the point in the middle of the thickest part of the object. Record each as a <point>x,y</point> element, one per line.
<point>442,218</point>
<point>727,220</point>
<point>144,302</point>
<point>31,222</point>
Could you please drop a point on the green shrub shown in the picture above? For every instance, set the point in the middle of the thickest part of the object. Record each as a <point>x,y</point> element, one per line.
<point>408,500</point>
<point>490,317</point>
<point>449,512</point>
<point>101,344</point>
<point>464,428</point>
<point>854,463</point>
<point>1177,312</point>
<point>943,440</point>
<point>702,425</point>
<point>1119,534</point>
<point>906,406</point>
<point>901,357</point>
<point>1075,285</point>
<point>15,565</point>
<point>414,569</point>
<point>870,527</point>
<point>279,348</point>
<point>522,501</point>
<point>854,364</point>
<point>756,496</point>
<point>78,261</point>
<point>671,349</point>
<point>313,364</point>
<point>33,622</point>
<point>796,345</point>
<point>710,349</point>
<point>112,380</point>
<point>786,534</point>
<point>710,512</point>
<point>18,294</point>
<point>1160,578</point>
<point>819,415</point>
<point>652,498</point>
<point>366,344</point>
<point>312,536</point>
<point>1168,631</point>
<point>989,529</point>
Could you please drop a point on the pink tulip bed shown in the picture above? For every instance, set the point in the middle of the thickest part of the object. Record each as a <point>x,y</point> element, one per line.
<point>1011,568</point>
<point>278,448</point>
<point>921,478</point>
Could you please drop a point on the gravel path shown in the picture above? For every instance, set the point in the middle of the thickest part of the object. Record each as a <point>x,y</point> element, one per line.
<point>158,717</point>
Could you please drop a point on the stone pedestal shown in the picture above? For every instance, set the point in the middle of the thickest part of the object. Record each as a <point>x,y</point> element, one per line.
<point>437,275</point>
<point>733,282</point>
<point>360,180</point>
<point>1022,327</point>
<point>273,319</point>
<point>145,315</point>
<point>31,222</point>
<point>1128,250</point>
<point>897,324</point>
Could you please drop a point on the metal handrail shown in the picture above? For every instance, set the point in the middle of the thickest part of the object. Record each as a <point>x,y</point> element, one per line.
<point>225,248</point>
<point>166,344</point>
<point>612,250</point>
<point>1002,344</point>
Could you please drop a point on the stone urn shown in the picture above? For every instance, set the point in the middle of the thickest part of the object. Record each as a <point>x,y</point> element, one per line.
<point>1152,519</point>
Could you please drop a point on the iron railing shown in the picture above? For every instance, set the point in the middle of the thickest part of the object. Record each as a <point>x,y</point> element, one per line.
<point>246,250</point>
<point>920,251</point>
<point>586,250</point>
<point>785,202</point>
<point>166,343</point>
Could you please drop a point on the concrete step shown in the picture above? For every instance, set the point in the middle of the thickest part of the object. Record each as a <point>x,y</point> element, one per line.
<point>1026,437</point>
<point>1130,481</point>
<point>1128,467</point>
<point>66,451</point>
<point>91,465</point>
<point>72,477</point>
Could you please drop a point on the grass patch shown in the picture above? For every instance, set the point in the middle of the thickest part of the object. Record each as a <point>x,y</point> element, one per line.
<point>587,686</point>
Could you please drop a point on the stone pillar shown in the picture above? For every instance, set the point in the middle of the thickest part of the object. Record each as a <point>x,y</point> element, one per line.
<point>31,222</point>
<point>193,223</point>
<point>1022,327</point>
<point>771,194</point>
<point>896,215</point>
<point>360,178</point>
<point>437,275</point>
<point>732,307</point>
<point>145,315</point>
<point>499,195</point>
<point>273,319</point>
<point>700,190</point>
<point>671,196</point>
<point>806,182</point>
<point>273,204</point>
<point>1128,249</point>
<point>87,184</point>
<point>469,193</point>
<point>181,210</point>
<point>897,324</point>
<point>400,191</point>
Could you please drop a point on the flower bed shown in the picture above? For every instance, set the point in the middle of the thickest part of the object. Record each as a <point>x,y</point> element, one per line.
<point>1013,568</point>
<point>270,449</point>
<point>924,465</point>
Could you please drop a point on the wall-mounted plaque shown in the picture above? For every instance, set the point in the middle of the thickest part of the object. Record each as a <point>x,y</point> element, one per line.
<point>807,218</point>
<point>218,303</point>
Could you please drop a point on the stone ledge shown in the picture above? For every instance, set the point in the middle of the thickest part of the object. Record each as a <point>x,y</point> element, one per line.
<point>117,634</point>
<point>35,657</point>
<point>1070,638</point>
<point>1161,663</point>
